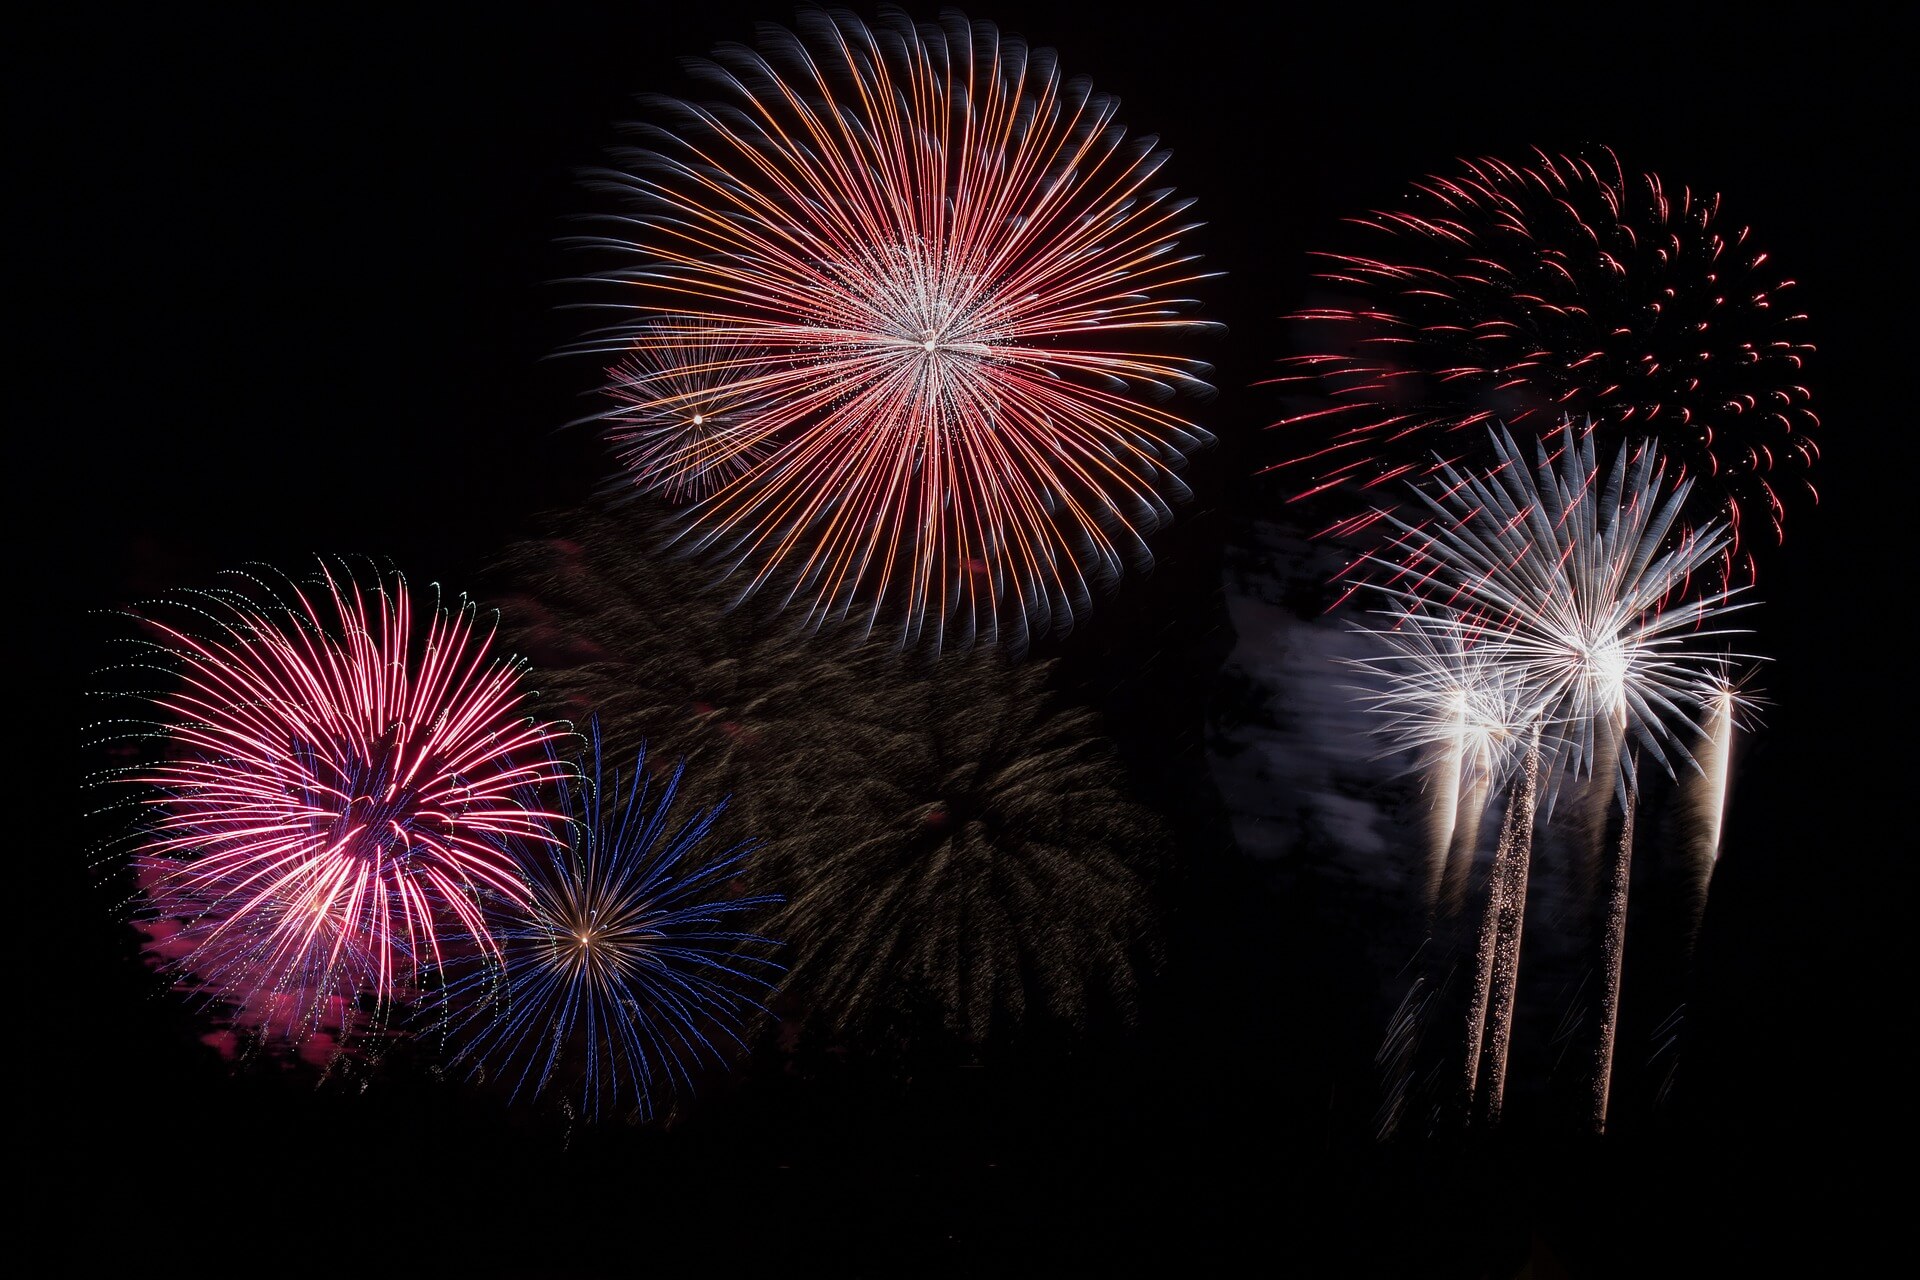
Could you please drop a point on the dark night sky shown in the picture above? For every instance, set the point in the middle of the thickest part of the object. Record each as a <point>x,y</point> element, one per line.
<point>296,266</point>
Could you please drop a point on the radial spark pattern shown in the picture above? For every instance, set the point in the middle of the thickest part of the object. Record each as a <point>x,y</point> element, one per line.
<point>956,849</point>
<point>962,283</point>
<point>1568,286</point>
<point>628,971</point>
<point>1576,574</point>
<point>685,408</point>
<point>328,813</point>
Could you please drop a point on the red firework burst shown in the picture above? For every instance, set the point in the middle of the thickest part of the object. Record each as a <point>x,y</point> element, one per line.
<point>333,803</point>
<point>1564,290</point>
<point>948,260</point>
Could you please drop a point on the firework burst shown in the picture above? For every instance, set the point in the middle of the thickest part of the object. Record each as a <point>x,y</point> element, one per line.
<point>685,404</point>
<point>327,816</point>
<point>1462,707</point>
<point>1567,286</point>
<point>1575,573</point>
<point>623,974</point>
<point>984,866</point>
<point>957,278</point>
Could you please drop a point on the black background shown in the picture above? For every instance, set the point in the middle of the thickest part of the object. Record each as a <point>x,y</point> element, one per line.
<point>296,268</point>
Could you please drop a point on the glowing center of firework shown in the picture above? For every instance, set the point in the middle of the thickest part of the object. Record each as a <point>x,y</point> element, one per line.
<point>374,815</point>
<point>910,302</point>
<point>1605,667</point>
<point>699,419</point>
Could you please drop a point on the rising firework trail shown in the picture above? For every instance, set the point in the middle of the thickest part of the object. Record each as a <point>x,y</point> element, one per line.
<point>1613,946</point>
<point>1566,286</point>
<point>1707,797</point>
<point>337,775</point>
<point>962,288</point>
<point>1507,913</point>
<point>1496,961</point>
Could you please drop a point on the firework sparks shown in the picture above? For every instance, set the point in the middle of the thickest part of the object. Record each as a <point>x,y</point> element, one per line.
<point>1613,959</point>
<point>685,406</point>
<point>956,275</point>
<point>1564,577</point>
<point>1526,293</point>
<point>623,974</point>
<point>986,869</point>
<point>327,817</point>
<point>1507,914</point>
<point>1460,704</point>
<point>1575,573</point>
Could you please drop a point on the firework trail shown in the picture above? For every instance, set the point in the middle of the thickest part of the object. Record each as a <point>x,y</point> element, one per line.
<point>682,424</point>
<point>1613,956</point>
<point>623,972</point>
<point>1435,690</point>
<point>337,778</point>
<point>1707,798</point>
<point>1509,905</point>
<point>1565,287</point>
<point>957,277</point>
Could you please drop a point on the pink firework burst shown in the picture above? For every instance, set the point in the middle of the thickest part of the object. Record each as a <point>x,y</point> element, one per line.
<point>1531,295</point>
<point>958,275</point>
<point>332,806</point>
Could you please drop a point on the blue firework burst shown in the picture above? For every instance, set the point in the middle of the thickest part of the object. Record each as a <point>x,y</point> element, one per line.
<point>629,969</point>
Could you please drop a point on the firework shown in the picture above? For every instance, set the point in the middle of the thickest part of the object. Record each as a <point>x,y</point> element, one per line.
<point>953,845</point>
<point>1460,705</point>
<point>327,816</point>
<point>950,842</point>
<point>1564,287</point>
<point>1576,573</point>
<point>625,972</point>
<point>1567,576</point>
<point>685,408</point>
<point>631,634</point>
<point>956,278</point>
<point>1507,915</point>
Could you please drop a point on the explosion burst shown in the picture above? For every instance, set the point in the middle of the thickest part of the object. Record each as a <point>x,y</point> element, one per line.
<point>632,636</point>
<point>1463,707</point>
<point>685,406</point>
<point>623,975</point>
<point>956,272</point>
<point>1575,574</point>
<point>1566,287</point>
<point>329,812</point>
<point>984,867</point>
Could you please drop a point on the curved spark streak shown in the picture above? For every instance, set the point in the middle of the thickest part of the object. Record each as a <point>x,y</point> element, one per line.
<point>955,269</point>
<point>328,816</point>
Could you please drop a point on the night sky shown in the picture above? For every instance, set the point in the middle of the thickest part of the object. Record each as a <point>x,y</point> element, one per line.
<point>298,269</point>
